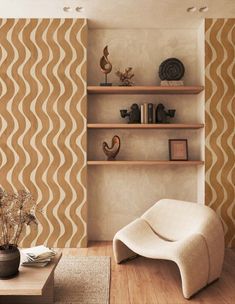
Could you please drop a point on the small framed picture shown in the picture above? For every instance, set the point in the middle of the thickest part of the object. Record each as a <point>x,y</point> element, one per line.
<point>178,149</point>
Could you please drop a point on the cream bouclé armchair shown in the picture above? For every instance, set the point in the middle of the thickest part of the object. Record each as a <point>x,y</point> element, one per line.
<point>189,234</point>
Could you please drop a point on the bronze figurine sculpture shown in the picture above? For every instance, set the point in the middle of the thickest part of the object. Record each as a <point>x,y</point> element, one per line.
<point>112,152</point>
<point>106,66</point>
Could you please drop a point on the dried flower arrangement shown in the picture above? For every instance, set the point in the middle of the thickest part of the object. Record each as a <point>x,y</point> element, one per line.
<point>125,77</point>
<point>16,211</point>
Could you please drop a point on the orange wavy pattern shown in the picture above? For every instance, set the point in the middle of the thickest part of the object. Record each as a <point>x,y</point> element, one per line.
<point>220,122</point>
<point>43,124</point>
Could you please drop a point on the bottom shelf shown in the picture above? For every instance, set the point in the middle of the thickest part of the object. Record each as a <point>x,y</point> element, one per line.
<point>146,162</point>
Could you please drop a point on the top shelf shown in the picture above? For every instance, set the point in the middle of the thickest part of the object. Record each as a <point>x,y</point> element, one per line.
<point>145,90</point>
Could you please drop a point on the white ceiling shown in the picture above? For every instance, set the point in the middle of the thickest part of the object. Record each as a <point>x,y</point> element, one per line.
<point>122,13</point>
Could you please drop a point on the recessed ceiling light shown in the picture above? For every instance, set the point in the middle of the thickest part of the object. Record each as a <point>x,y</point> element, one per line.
<point>67,9</point>
<point>191,9</point>
<point>203,9</point>
<point>79,9</point>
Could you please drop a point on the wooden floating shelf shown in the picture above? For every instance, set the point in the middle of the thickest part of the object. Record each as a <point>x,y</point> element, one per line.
<point>145,90</point>
<point>146,162</point>
<point>144,126</point>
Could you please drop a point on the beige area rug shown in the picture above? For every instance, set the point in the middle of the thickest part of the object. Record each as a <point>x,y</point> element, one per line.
<point>82,280</point>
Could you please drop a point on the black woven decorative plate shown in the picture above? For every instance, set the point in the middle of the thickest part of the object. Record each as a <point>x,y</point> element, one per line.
<point>171,69</point>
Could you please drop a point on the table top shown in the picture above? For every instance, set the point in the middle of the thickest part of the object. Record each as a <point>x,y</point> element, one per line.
<point>30,280</point>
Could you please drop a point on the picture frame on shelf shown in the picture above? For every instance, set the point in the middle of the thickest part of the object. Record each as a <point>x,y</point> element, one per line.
<point>178,149</point>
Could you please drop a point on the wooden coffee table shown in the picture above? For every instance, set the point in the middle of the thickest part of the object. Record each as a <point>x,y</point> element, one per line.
<point>31,286</point>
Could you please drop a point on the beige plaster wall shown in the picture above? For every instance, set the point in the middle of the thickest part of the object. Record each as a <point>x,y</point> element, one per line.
<point>119,194</point>
<point>143,50</point>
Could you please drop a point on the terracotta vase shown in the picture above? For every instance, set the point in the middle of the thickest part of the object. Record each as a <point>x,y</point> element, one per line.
<point>9,262</point>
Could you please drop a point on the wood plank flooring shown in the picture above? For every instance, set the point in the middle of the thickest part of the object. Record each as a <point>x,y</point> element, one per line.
<point>146,281</point>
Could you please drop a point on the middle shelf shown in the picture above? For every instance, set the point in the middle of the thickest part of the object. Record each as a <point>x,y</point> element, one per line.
<point>144,126</point>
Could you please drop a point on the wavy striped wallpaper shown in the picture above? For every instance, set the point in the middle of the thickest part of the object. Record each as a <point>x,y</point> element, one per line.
<point>43,123</point>
<point>220,121</point>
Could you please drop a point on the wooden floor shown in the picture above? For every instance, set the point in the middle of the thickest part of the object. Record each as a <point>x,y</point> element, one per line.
<point>146,281</point>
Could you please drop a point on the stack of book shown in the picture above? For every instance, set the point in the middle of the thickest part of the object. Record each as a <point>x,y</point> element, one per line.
<point>38,256</point>
<point>147,113</point>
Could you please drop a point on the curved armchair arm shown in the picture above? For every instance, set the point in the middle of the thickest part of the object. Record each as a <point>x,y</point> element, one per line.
<point>214,236</point>
<point>192,258</point>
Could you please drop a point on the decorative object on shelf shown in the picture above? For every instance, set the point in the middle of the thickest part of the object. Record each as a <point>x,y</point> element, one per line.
<point>106,66</point>
<point>178,149</point>
<point>16,211</point>
<point>161,114</point>
<point>171,69</point>
<point>172,83</point>
<point>125,77</point>
<point>133,115</point>
<point>112,152</point>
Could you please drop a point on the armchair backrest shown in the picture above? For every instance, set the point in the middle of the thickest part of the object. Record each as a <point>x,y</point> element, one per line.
<point>174,220</point>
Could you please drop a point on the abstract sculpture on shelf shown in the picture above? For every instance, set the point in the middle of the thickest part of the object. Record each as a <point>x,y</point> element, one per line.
<point>133,115</point>
<point>112,152</point>
<point>125,77</point>
<point>171,69</point>
<point>161,114</point>
<point>106,66</point>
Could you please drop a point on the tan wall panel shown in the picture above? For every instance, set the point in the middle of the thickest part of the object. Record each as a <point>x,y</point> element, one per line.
<point>220,121</point>
<point>43,123</point>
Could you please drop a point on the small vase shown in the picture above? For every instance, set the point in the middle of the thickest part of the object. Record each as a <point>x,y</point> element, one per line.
<point>9,262</point>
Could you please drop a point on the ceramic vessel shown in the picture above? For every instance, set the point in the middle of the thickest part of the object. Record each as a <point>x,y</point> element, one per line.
<point>9,262</point>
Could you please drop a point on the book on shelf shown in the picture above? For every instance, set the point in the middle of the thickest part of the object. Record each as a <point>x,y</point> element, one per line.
<point>154,113</point>
<point>150,113</point>
<point>38,256</point>
<point>142,113</point>
<point>172,83</point>
<point>145,113</point>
